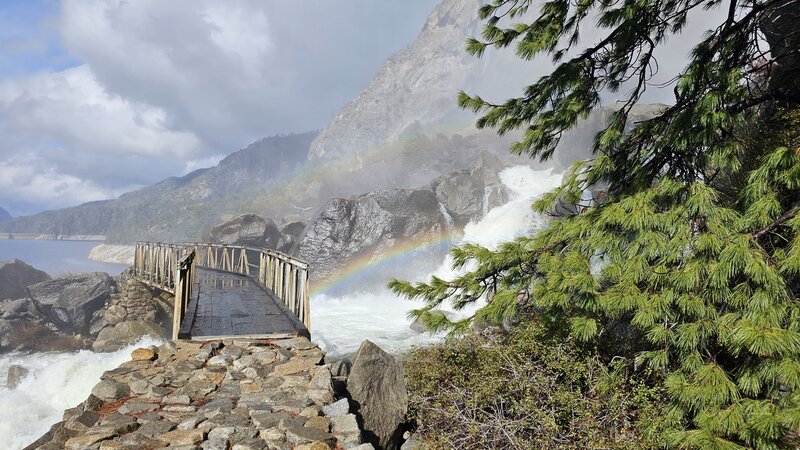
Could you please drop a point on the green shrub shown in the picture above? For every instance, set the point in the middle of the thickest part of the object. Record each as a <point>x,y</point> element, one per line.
<point>518,391</point>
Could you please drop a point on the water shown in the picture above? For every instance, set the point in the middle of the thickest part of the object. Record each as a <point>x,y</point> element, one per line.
<point>339,322</point>
<point>56,381</point>
<point>57,257</point>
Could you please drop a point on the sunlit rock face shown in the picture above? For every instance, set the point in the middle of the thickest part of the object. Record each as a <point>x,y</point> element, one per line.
<point>367,225</point>
<point>414,89</point>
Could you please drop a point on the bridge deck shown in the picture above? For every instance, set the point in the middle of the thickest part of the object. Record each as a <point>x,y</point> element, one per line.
<point>226,304</point>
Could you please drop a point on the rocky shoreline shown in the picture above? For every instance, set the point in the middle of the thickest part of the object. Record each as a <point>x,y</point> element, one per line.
<point>238,394</point>
<point>113,253</point>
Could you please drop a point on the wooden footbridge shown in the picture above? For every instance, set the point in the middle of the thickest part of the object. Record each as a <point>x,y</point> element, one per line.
<point>220,293</point>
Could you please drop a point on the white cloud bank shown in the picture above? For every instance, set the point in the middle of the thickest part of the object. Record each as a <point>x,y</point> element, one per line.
<point>166,86</point>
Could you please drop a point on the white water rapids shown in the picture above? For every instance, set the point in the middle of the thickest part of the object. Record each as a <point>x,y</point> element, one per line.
<point>55,382</point>
<point>341,322</point>
<point>58,381</point>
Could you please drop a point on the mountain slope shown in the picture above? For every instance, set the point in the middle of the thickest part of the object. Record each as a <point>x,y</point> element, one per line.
<point>177,208</point>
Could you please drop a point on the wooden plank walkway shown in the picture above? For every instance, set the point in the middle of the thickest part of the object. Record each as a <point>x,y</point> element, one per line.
<point>226,304</point>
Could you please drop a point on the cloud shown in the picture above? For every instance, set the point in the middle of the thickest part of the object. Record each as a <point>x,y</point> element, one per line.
<point>157,88</point>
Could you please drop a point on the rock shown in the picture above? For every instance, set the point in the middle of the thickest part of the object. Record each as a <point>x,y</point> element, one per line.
<point>182,437</point>
<point>190,423</point>
<point>294,366</point>
<point>337,409</point>
<point>413,443</point>
<point>314,446</point>
<point>341,368</point>
<point>143,354</point>
<point>425,72</point>
<point>323,423</point>
<point>110,390</point>
<point>366,225</point>
<point>363,447</point>
<point>16,374</point>
<point>461,194</point>
<point>321,379</point>
<point>304,435</point>
<point>267,419</point>
<point>123,334</point>
<point>292,232</point>
<point>248,230</point>
<point>215,444</point>
<point>377,386</point>
<point>16,276</point>
<point>272,434</point>
<point>70,302</point>
<point>345,428</point>
<point>219,360</point>
<point>87,440</point>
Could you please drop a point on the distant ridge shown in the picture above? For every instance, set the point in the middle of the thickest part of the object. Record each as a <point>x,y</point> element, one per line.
<point>177,208</point>
<point>5,216</point>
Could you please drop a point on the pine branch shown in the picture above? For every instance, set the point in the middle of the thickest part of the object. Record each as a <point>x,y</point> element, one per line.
<point>758,234</point>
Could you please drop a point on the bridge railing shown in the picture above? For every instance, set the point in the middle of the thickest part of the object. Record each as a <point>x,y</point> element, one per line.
<point>157,264</point>
<point>285,276</point>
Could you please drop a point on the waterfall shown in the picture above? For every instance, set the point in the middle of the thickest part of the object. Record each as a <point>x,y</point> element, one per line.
<point>342,322</point>
<point>448,219</point>
<point>487,191</point>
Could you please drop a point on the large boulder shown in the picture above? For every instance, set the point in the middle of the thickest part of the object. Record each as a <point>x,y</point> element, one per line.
<point>368,225</point>
<point>461,194</point>
<point>470,193</point>
<point>115,337</point>
<point>292,233</point>
<point>71,302</point>
<point>377,386</point>
<point>16,276</point>
<point>248,230</point>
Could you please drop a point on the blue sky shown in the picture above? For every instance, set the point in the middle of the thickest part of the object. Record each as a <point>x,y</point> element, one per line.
<point>28,38</point>
<point>98,97</point>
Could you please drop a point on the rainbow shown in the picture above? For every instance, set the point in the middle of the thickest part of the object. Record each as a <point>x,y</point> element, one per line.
<point>363,265</point>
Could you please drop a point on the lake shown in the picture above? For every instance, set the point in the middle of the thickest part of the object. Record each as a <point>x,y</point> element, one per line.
<point>57,257</point>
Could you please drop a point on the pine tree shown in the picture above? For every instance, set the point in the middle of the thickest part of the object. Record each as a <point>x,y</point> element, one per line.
<point>691,264</point>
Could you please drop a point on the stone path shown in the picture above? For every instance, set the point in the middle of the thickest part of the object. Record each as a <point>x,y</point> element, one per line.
<point>218,395</point>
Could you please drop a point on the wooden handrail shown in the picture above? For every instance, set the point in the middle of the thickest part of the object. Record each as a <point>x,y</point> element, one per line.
<point>159,264</point>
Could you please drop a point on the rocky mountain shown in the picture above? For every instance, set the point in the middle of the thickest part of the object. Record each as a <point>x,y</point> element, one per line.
<point>414,89</point>
<point>5,216</point>
<point>177,208</point>
<point>402,132</point>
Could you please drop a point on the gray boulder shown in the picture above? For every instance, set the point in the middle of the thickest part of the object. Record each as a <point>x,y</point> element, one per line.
<point>125,333</point>
<point>16,276</point>
<point>367,225</point>
<point>461,194</point>
<point>71,302</point>
<point>377,386</point>
<point>248,230</point>
<point>16,374</point>
<point>292,232</point>
<point>470,193</point>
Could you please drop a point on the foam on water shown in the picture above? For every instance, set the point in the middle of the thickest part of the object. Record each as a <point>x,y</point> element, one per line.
<point>340,323</point>
<point>56,381</point>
